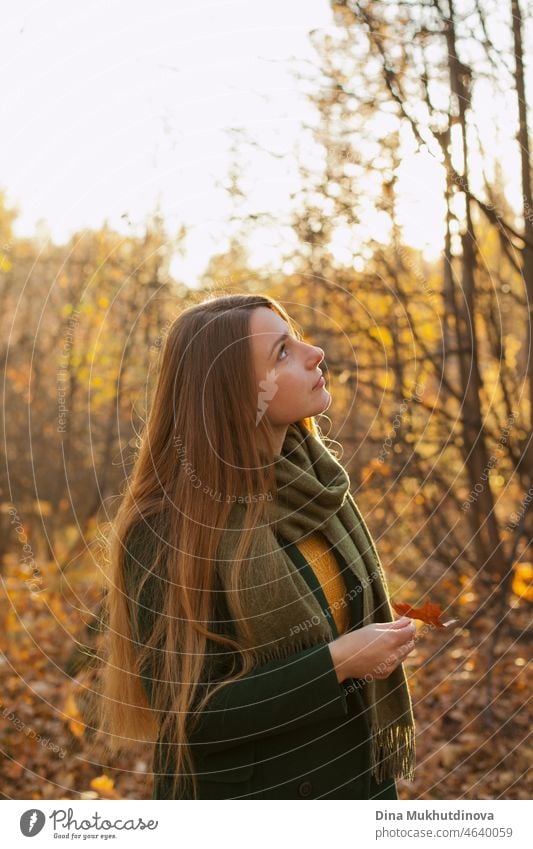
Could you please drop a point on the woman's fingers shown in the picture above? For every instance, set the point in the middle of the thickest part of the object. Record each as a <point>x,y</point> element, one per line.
<point>404,633</point>
<point>395,659</point>
<point>401,623</point>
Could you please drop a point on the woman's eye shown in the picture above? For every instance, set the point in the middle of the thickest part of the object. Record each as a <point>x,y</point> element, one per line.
<point>281,349</point>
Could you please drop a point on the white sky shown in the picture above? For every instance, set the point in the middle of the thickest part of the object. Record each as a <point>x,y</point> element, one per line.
<point>113,107</point>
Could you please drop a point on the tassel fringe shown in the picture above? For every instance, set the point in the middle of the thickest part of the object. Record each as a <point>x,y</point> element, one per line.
<point>285,651</point>
<point>393,752</point>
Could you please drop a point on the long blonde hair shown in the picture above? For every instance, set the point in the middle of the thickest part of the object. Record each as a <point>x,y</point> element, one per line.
<point>201,427</point>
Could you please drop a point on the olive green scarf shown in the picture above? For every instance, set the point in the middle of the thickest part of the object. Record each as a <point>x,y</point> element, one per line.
<point>313,494</point>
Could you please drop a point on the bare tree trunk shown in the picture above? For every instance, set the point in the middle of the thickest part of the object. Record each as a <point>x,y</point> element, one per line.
<point>527,207</point>
<point>474,449</point>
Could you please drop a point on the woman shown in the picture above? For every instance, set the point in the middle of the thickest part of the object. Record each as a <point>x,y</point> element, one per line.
<point>250,632</point>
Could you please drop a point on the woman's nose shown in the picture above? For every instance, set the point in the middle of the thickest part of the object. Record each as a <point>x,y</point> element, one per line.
<point>319,354</point>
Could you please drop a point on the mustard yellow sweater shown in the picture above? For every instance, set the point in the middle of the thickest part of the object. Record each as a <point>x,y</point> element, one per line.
<point>318,553</point>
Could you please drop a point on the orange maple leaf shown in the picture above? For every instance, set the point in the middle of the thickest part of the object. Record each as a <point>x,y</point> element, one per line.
<point>429,613</point>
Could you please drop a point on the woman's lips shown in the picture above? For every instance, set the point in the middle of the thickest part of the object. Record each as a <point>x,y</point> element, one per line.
<point>320,383</point>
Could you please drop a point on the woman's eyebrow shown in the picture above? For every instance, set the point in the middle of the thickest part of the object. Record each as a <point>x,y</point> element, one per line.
<point>278,340</point>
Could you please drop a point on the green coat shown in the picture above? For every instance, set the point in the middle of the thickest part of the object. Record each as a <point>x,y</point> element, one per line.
<point>287,730</point>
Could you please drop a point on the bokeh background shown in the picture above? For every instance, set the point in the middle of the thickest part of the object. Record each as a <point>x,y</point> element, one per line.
<point>369,165</point>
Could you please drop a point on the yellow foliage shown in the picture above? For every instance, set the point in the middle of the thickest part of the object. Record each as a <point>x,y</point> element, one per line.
<point>75,723</point>
<point>429,331</point>
<point>466,598</point>
<point>523,580</point>
<point>43,507</point>
<point>12,622</point>
<point>375,467</point>
<point>382,334</point>
<point>104,786</point>
<point>512,346</point>
<point>386,379</point>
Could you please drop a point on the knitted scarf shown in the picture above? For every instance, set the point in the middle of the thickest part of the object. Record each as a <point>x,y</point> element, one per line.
<point>313,495</point>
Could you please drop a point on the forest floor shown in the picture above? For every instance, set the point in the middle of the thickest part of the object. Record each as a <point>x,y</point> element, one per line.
<point>473,728</point>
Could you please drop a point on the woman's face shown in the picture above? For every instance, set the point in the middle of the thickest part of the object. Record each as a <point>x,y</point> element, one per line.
<point>286,371</point>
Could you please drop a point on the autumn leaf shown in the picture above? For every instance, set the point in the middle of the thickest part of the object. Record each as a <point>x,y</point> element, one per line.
<point>375,466</point>
<point>104,785</point>
<point>523,580</point>
<point>75,722</point>
<point>429,613</point>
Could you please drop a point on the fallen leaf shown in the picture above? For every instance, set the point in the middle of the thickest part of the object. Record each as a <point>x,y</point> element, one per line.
<point>75,722</point>
<point>104,786</point>
<point>449,754</point>
<point>523,580</point>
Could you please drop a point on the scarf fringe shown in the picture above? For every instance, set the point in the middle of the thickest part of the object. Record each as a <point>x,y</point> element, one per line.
<point>285,651</point>
<point>392,749</point>
<point>393,752</point>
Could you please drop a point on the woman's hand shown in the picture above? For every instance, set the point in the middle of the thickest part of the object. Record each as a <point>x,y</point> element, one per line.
<point>373,651</point>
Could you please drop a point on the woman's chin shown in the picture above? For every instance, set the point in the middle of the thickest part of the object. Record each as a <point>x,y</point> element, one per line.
<point>322,402</point>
